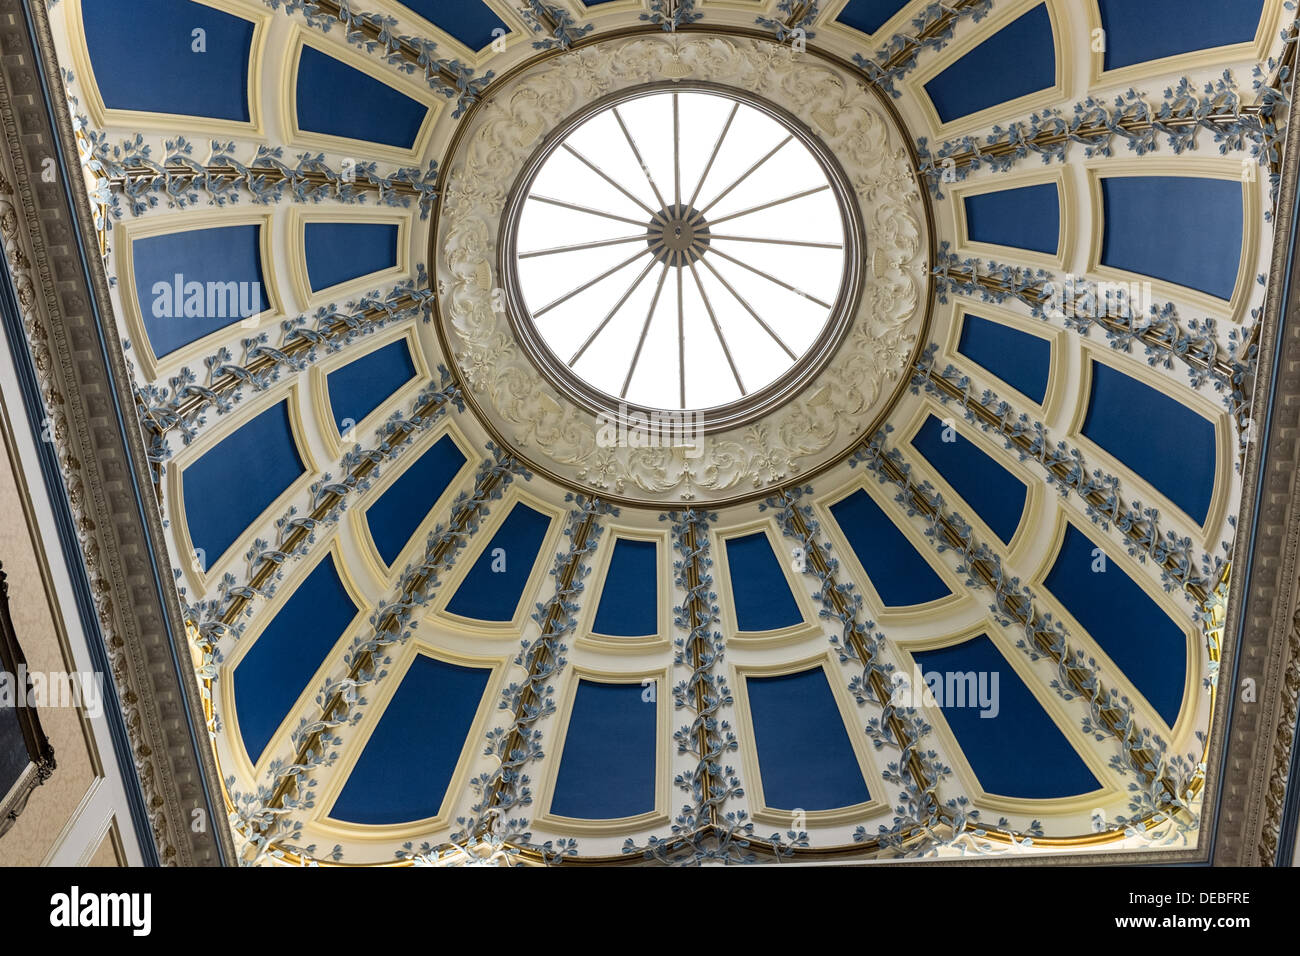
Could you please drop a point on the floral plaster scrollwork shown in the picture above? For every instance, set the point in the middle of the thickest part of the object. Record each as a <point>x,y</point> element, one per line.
<point>814,427</point>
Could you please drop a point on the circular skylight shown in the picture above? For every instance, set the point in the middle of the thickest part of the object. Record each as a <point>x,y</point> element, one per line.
<point>683,249</point>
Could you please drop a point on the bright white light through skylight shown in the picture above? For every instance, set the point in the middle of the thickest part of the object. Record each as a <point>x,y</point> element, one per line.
<point>680,250</point>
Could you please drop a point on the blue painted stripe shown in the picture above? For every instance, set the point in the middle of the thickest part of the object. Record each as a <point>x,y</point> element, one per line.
<point>237,479</point>
<point>1142,640</point>
<point>407,502</point>
<point>339,252</point>
<point>1017,60</point>
<point>1182,229</point>
<point>409,760</point>
<point>869,15</point>
<point>607,769</point>
<point>361,386</point>
<point>758,586</point>
<point>804,754</point>
<point>335,99</point>
<point>469,21</point>
<point>629,601</point>
<point>139,55</point>
<point>1172,447</point>
<point>1015,751</point>
<point>272,675</point>
<point>1028,217</point>
<point>1022,360</point>
<point>897,571</point>
<point>1184,26</point>
<point>492,589</point>
<point>183,283</point>
<point>997,496</point>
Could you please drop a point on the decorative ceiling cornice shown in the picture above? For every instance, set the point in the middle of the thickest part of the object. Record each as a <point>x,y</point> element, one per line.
<point>1256,730</point>
<point>103,459</point>
<point>105,465</point>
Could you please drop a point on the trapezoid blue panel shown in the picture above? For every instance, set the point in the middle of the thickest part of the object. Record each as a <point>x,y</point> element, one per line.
<point>494,585</point>
<point>1181,229</point>
<point>190,284</point>
<point>1142,30</point>
<point>629,600</point>
<point>1166,443</point>
<point>335,99</point>
<point>339,252</point>
<point>997,496</point>
<point>1134,631</point>
<point>805,756</point>
<point>361,386</point>
<point>1017,60</point>
<point>271,676</point>
<point>407,501</point>
<point>237,479</point>
<point>1028,217</point>
<point>469,21</point>
<point>1011,743</point>
<point>607,769</point>
<point>1022,360</point>
<point>898,572</point>
<point>869,15</point>
<point>409,760</point>
<point>139,55</point>
<point>759,588</point>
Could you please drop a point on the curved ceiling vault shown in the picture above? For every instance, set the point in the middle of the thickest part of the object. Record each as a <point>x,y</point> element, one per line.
<point>442,610</point>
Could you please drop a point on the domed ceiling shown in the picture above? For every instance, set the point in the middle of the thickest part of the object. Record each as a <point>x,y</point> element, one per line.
<point>686,432</point>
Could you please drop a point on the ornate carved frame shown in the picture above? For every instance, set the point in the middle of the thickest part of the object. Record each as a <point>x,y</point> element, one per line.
<point>98,460</point>
<point>40,755</point>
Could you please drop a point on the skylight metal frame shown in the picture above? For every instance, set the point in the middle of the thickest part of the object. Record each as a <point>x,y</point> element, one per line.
<point>752,405</point>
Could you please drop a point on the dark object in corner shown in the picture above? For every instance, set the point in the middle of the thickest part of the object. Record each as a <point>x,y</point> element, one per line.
<point>26,757</point>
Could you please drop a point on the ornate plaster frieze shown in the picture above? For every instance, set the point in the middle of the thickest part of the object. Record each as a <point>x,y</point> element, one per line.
<point>842,403</point>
